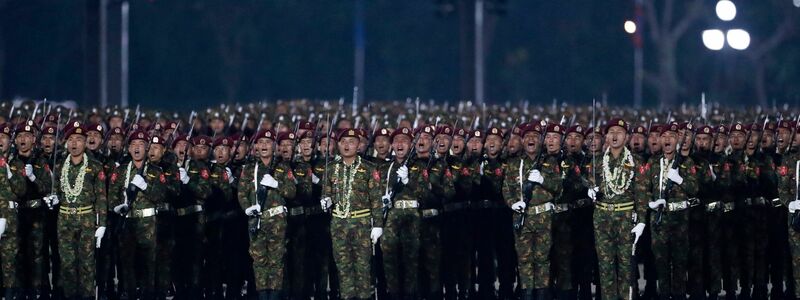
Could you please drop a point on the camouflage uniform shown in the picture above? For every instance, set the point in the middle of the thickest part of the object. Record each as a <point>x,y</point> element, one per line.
<point>456,239</point>
<point>32,222</point>
<point>788,182</point>
<point>319,257</point>
<point>222,209</point>
<point>190,230</point>
<point>165,227</point>
<point>574,195</point>
<point>711,195</point>
<point>267,241</point>
<point>352,218</point>
<point>585,256</point>
<point>79,218</point>
<point>11,189</point>
<point>430,259</point>
<point>296,229</point>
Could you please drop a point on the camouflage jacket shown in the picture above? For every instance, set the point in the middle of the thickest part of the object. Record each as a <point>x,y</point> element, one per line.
<point>638,191</point>
<point>442,185</point>
<point>197,191</point>
<point>93,192</point>
<point>363,198</point>
<point>418,187</point>
<point>516,175</point>
<point>11,189</point>
<point>489,185</point>
<point>223,193</point>
<point>36,190</point>
<point>679,192</point>
<point>149,198</point>
<point>462,180</point>
<point>250,183</point>
<point>305,187</point>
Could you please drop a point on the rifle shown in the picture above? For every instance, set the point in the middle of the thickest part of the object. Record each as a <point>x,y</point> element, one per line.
<point>261,196</point>
<point>186,159</point>
<point>327,147</point>
<point>507,138</point>
<point>527,186</point>
<point>54,157</point>
<point>676,162</point>
<point>791,138</point>
<point>398,186</point>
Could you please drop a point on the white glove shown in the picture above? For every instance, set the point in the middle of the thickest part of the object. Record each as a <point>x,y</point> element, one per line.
<point>116,164</point>
<point>657,203</point>
<point>518,206</point>
<point>481,169</point>
<point>314,178</point>
<point>535,176</point>
<point>268,181</point>
<point>230,175</point>
<point>387,200</point>
<point>120,208</point>
<point>139,182</point>
<point>592,193</point>
<point>98,234</point>
<point>51,200</point>
<point>375,234</point>
<point>3,223</point>
<point>637,231</point>
<point>29,172</point>
<point>253,210</point>
<point>794,205</point>
<point>326,203</point>
<point>184,175</point>
<point>402,173</point>
<point>8,172</point>
<point>673,175</point>
<point>713,175</point>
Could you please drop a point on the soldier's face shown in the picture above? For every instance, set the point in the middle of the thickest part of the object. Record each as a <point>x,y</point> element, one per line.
<point>382,145</point>
<point>616,136</point>
<point>93,140</point>
<point>751,143</point>
<point>286,148</point>
<point>552,141</point>
<point>737,140</point>
<point>115,143</point>
<point>595,142</point>
<point>475,146</point>
<point>200,152</point>
<point>669,142</point>
<point>530,141</point>
<point>222,154</point>
<point>401,144</point>
<point>217,125</point>
<point>458,145</point>
<point>720,143</point>
<point>76,144</point>
<point>156,152</point>
<point>114,122</point>
<point>768,140</point>
<point>514,144</point>
<point>5,143</point>
<point>493,144</point>
<point>263,148</point>
<point>363,143</point>
<point>24,141</point>
<point>574,141</point>
<point>637,142</point>
<point>306,147</point>
<point>136,149</point>
<point>784,135</point>
<point>703,142</point>
<point>48,143</point>
<point>424,143</point>
<point>180,149</point>
<point>655,144</point>
<point>241,152</point>
<point>443,142</point>
<point>348,147</point>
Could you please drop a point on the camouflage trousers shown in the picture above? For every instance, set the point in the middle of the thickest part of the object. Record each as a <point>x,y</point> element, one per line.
<point>165,246</point>
<point>713,248</point>
<point>671,252</point>
<point>457,245</point>
<point>696,261</point>
<point>76,247</point>
<point>794,247</point>
<point>295,257</point>
<point>778,258</point>
<point>351,253</point>
<point>32,225</point>
<point>400,244</point>
<point>318,254</point>
<point>533,245</point>
<point>754,248</point>
<point>138,253</point>
<point>268,251</point>
<point>612,231</point>
<point>562,252</point>
<point>430,258</point>
<point>9,250</point>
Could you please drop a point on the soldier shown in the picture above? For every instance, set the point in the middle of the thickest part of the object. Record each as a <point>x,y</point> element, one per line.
<point>136,188</point>
<point>81,192</point>
<point>457,242</point>
<point>221,210</point>
<point>637,142</point>
<point>620,195</point>
<point>773,144</point>
<point>264,188</point>
<point>585,260</point>
<point>533,202</point>
<point>165,231</point>
<point>12,188</point>
<point>354,187</point>
<point>788,192</point>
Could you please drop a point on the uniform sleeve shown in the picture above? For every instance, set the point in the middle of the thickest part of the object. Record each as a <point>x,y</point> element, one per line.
<point>245,190</point>
<point>156,180</point>
<point>787,182</point>
<point>304,184</point>
<point>199,184</point>
<point>552,177</point>
<point>17,179</point>
<point>643,183</point>
<point>100,195</point>
<point>172,187</point>
<point>511,192</point>
<point>688,170</point>
<point>43,180</point>
<point>115,189</point>
<point>287,183</point>
<point>375,193</point>
<point>441,180</point>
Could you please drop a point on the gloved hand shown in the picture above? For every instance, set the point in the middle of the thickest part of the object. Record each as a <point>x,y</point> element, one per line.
<point>326,203</point>
<point>8,172</point>
<point>592,193</point>
<point>51,200</point>
<point>713,175</point>
<point>794,205</point>
<point>535,176</point>
<point>121,209</point>
<point>314,178</point>
<point>657,203</point>
<point>139,182</point>
<point>253,210</point>
<point>98,234</point>
<point>480,171</point>
<point>3,224</point>
<point>29,172</point>
<point>673,175</point>
<point>518,206</point>
<point>402,174</point>
<point>375,234</point>
<point>637,231</point>
<point>387,200</point>
<point>268,181</point>
<point>230,175</point>
<point>184,175</point>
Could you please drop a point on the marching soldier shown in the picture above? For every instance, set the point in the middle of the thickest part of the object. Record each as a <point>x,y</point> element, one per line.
<point>165,230</point>
<point>456,239</point>
<point>585,259</point>
<point>81,192</point>
<point>353,190</point>
<point>12,188</point>
<point>221,210</point>
<point>264,187</point>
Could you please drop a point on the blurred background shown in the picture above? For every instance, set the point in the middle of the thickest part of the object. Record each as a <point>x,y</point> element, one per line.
<point>179,52</point>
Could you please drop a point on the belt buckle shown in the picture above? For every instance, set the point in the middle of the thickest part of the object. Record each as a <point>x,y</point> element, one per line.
<point>611,206</point>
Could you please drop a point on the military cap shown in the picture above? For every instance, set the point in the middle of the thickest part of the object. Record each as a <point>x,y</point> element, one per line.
<point>117,131</point>
<point>669,128</point>
<point>655,128</point>
<point>639,130</point>
<point>382,132</point>
<point>308,134</point>
<point>476,133</point>
<point>579,129</point>
<point>182,137</point>
<point>738,127</point>
<point>224,141</point>
<point>138,135</point>
<point>264,133</point>
<point>785,124</point>
<point>534,127</point>
<point>554,128</point>
<point>349,132</point>
<point>306,125</point>
<point>49,130</point>
<point>5,128</point>
<point>619,122</point>
<point>402,131</point>
<point>80,130</point>
<point>704,129</point>
<point>286,135</point>
<point>26,127</point>
<point>94,127</point>
<point>201,140</point>
<point>495,131</point>
<point>157,140</point>
<point>722,129</point>
<point>444,129</point>
<point>425,129</point>
<point>771,126</point>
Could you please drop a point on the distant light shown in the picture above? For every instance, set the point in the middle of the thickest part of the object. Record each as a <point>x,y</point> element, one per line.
<point>796,3</point>
<point>726,10</point>
<point>713,39</point>
<point>738,39</point>
<point>630,26</point>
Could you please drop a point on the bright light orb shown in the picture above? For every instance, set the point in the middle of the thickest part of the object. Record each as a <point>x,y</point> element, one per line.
<point>713,39</point>
<point>738,39</point>
<point>796,3</point>
<point>726,10</point>
<point>630,26</point>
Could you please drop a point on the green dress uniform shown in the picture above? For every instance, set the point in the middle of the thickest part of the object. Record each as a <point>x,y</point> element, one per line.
<point>12,187</point>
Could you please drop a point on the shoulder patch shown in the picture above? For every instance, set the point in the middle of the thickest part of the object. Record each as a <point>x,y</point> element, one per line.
<point>101,175</point>
<point>204,174</point>
<point>113,177</point>
<point>783,170</point>
<point>693,170</point>
<point>642,169</point>
<point>2,162</point>
<point>447,173</point>
<point>279,170</point>
<point>425,174</point>
<point>290,174</point>
<point>162,178</point>
<point>498,172</point>
<point>376,175</point>
<point>465,171</point>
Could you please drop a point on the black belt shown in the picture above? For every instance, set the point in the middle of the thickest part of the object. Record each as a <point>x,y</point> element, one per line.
<point>163,208</point>
<point>585,202</point>
<point>757,201</point>
<point>455,206</point>
<point>314,210</point>
<point>297,211</point>
<point>35,203</point>
<point>484,204</point>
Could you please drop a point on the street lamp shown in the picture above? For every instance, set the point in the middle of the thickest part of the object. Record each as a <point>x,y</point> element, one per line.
<point>726,10</point>
<point>738,39</point>
<point>630,27</point>
<point>713,39</point>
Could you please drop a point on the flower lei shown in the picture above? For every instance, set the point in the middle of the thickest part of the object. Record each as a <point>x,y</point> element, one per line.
<point>665,165</point>
<point>73,191</point>
<point>128,178</point>
<point>617,182</point>
<point>347,175</point>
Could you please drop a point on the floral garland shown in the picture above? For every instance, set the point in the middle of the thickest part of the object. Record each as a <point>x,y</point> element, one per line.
<point>128,178</point>
<point>73,191</point>
<point>665,165</point>
<point>348,175</point>
<point>617,182</point>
